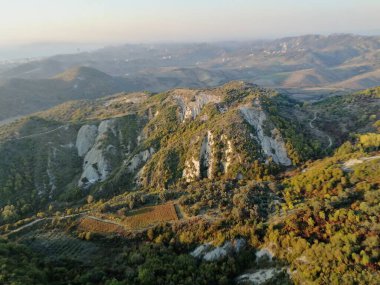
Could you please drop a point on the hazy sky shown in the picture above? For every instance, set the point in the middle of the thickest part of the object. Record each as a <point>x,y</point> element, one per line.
<point>121,21</point>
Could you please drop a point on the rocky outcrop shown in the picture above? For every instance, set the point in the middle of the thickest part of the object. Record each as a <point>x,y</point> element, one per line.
<point>96,165</point>
<point>228,152</point>
<point>260,276</point>
<point>272,146</point>
<point>86,139</point>
<point>136,167</point>
<point>203,167</point>
<point>206,157</point>
<point>191,105</point>
<point>210,253</point>
<point>210,161</point>
<point>192,170</point>
<point>264,253</point>
<point>139,159</point>
<point>106,126</point>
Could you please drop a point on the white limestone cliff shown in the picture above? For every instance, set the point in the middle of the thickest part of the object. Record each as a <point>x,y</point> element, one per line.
<point>228,153</point>
<point>191,105</point>
<point>86,138</point>
<point>96,165</point>
<point>203,166</point>
<point>137,160</point>
<point>274,145</point>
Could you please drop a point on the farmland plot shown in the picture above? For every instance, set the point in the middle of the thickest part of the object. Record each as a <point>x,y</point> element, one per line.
<point>149,216</point>
<point>132,220</point>
<point>97,226</point>
<point>57,244</point>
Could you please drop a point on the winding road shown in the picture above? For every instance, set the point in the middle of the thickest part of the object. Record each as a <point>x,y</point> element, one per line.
<point>313,127</point>
<point>312,120</point>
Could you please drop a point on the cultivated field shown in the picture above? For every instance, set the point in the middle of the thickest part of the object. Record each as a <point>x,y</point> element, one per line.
<point>89,224</point>
<point>148,216</point>
<point>58,244</point>
<point>133,220</point>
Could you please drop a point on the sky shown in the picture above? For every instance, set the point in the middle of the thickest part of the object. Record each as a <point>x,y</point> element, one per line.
<point>83,22</point>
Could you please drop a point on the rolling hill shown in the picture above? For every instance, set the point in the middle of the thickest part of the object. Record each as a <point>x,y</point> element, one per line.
<point>311,60</point>
<point>24,96</point>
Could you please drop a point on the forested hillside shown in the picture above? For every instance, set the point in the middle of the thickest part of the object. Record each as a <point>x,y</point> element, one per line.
<point>233,184</point>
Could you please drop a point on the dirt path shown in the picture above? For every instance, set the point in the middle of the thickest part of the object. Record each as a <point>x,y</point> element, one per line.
<point>38,134</point>
<point>354,161</point>
<point>181,217</point>
<point>105,221</point>
<point>330,141</point>
<point>28,225</point>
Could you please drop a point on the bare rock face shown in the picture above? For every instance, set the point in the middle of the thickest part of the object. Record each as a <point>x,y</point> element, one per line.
<point>192,170</point>
<point>137,160</point>
<point>201,250</point>
<point>228,153</point>
<point>95,168</point>
<point>207,163</point>
<point>207,156</point>
<point>96,165</point>
<point>105,126</point>
<point>274,145</point>
<point>136,165</point>
<point>203,166</point>
<point>210,253</point>
<point>220,252</point>
<point>191,103</point>
<point>86,139</point>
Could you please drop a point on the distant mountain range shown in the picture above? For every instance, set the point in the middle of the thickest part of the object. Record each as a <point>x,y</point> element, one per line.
<point>339,61</point>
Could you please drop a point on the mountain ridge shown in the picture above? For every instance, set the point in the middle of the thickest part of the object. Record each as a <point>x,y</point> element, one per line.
<point>24,96</point>
<point>144,186</point>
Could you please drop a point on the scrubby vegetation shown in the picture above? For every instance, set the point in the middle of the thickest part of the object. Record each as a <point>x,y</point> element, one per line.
<point>318,216</point>
<point>331,213</point>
